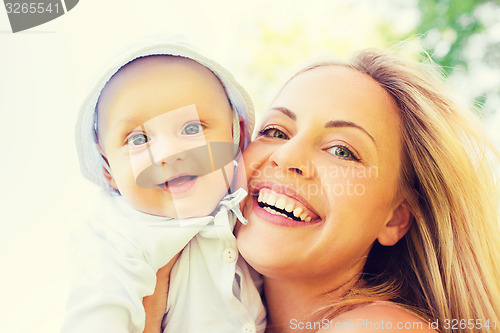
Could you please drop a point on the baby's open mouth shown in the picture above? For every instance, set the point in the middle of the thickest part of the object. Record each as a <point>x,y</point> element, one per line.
<point>178,181</point>
<point>280,204</point>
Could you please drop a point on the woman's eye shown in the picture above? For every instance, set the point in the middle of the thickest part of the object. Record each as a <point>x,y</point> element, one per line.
<point>343,153</point>
<point>138,139</point>
<point>273,133</point>
<point>192,129</point>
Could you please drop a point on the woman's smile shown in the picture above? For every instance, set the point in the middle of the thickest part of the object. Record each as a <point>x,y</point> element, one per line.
<point>282,205</point>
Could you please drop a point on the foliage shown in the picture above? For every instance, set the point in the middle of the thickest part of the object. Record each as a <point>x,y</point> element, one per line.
<point>456,35</point>
<point>455,22</point>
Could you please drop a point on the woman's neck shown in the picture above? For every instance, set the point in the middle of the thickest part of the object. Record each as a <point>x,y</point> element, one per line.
<point>291,304</point>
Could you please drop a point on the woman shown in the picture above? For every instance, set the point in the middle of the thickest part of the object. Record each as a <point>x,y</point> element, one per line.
<point>372,204</point>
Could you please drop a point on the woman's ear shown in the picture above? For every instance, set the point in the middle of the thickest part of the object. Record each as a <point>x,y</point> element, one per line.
<point>397,226</point>
<point>105,171</point>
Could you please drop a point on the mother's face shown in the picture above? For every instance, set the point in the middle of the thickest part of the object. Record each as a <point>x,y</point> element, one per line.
<point>323,173</point>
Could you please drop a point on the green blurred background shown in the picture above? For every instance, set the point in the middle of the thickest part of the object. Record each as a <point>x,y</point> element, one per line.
<point>461,36</point>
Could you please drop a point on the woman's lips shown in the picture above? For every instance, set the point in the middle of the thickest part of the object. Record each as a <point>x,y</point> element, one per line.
<point>281,205</point>
<point>179,184</point>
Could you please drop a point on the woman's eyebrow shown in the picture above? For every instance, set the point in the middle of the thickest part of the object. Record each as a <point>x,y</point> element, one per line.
<point>286,112</point>
<point>344,123</point>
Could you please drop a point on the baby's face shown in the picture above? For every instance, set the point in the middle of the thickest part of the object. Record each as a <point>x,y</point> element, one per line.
<point>155,120</point>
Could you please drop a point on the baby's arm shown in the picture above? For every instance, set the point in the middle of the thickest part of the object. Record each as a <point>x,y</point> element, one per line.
<point>156,304</point>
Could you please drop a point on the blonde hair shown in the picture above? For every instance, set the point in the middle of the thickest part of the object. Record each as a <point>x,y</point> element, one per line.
<point>447,265</point>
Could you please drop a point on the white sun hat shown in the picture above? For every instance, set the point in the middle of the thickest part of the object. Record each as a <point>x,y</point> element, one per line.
<point>91,161</point>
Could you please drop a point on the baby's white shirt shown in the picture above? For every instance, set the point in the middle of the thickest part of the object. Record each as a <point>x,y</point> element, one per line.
<point>117,251</point>
<point>212,289</point>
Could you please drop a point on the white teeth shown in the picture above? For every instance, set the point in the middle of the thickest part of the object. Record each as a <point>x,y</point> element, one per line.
<point>297,211</point>
<point>280,203</point>
<point>271,200</point>
<point>272,211</point>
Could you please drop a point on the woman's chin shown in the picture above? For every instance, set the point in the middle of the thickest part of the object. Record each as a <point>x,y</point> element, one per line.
<point>267,249</point>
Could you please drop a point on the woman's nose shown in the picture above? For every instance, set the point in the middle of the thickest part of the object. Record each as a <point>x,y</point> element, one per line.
<point>294,157</point>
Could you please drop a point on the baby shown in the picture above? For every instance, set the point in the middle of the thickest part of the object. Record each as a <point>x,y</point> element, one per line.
<point>161,135</point>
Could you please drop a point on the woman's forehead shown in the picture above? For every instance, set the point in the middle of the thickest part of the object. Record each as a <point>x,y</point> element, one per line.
<point>330,91</point>
<point>328,79</point>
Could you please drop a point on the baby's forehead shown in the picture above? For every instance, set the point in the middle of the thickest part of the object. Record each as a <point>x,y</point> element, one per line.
<point>159,82</point>
<point>138,66</point>
<point>175,66</point>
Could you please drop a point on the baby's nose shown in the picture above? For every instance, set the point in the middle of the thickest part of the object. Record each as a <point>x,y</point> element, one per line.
<point>162,159</point>
<point>168,151</point>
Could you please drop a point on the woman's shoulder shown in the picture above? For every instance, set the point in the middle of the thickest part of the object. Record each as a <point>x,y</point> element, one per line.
<point>377,317</point>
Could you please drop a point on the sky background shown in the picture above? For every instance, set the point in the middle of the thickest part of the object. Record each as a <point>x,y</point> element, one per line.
<point>45,73</point>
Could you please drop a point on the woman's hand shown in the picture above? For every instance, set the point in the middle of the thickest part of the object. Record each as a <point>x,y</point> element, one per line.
<point>155,305</point>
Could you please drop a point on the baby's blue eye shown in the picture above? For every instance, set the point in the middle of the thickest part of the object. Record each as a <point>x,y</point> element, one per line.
<point>138,139</point>
<point>192,129</point>
<point>343,153</point>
